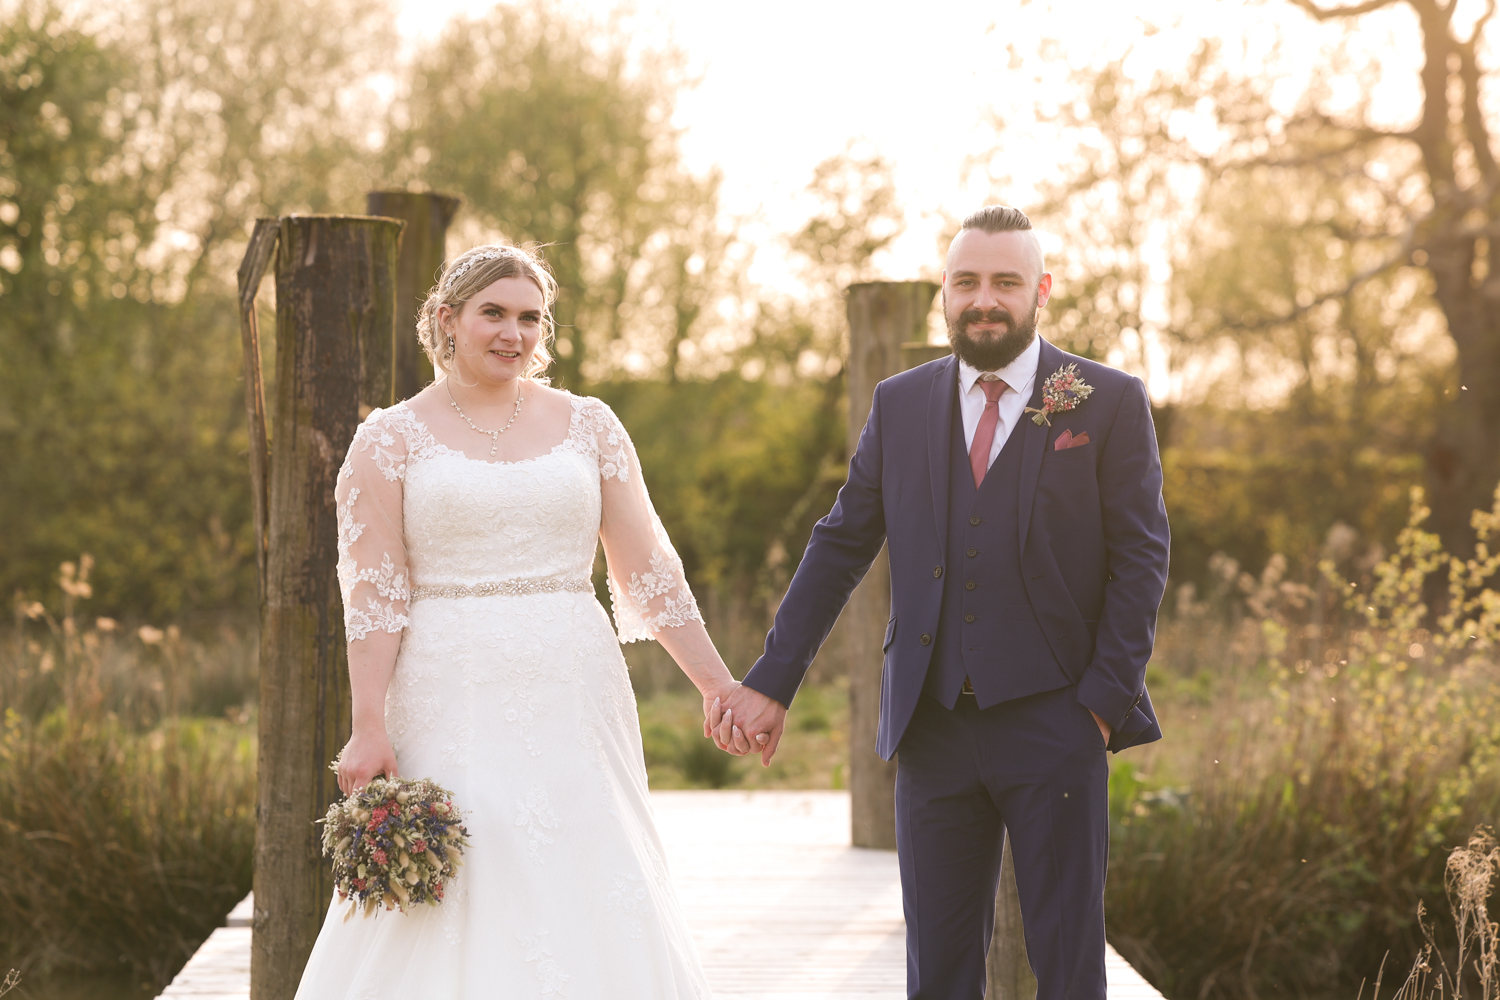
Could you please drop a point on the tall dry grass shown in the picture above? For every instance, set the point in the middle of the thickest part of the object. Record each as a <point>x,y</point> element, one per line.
<point>1468,881</point>
<point>1325,744</point>
<point>127,789</point>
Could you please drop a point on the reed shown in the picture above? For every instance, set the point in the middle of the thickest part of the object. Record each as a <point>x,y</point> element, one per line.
<point>1313,778</point>
<point>126,819</point>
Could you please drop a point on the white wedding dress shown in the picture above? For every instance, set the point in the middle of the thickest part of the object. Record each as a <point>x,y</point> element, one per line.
<point>510,690</point>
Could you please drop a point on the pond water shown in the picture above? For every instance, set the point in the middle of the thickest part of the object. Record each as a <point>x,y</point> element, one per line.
<point>81,988</point>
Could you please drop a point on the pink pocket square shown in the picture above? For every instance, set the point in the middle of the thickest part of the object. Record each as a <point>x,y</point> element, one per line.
<point>1067,440</point>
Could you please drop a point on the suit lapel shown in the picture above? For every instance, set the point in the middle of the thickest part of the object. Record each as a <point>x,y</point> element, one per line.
<point>940,402</point>
<point>1034,442</point>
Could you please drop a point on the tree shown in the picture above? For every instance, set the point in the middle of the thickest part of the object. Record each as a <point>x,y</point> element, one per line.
<point>1448,232</point>
<point>559,131</point>
<point>1275,248</point>
<point>137,145</point>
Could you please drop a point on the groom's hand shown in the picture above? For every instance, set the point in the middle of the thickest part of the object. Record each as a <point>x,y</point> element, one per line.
<point>1104,728</point>
<point>747,716</point>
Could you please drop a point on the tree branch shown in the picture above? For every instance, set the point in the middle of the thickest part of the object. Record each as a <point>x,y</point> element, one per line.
<point>1479,25</point>
<point>1401,255</point>
<point>1475,129</point>
<point>1353,10</point>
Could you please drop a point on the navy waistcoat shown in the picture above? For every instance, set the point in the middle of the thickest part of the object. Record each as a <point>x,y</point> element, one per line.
<point>987,630</point>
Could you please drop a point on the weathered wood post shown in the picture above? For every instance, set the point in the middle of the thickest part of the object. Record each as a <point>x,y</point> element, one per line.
<point>423,250</point>
<point>335,311</point>
<point>1007,968</point>
<point>883,315</point>
<point>887,334</point>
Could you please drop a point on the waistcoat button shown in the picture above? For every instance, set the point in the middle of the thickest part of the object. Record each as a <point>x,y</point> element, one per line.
<point>969,585</point>
<point>937,571</point>
<point>974,519</point>
<point>968,618</point>
<point>973,553</point>
<point>926,639</point>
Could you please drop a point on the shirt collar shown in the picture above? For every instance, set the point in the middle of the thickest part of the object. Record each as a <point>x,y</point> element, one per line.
<point>1018,374</point>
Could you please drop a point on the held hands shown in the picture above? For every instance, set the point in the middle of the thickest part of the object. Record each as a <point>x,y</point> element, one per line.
<point>741,720</point>
<point>363,757</point>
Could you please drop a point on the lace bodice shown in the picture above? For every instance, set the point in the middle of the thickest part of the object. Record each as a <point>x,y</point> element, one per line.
<point>419,518</point>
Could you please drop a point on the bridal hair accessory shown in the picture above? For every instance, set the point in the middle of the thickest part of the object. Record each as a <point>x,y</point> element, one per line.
<point>394,844</point>
<point>1062,391</point>
<point>458,271</point>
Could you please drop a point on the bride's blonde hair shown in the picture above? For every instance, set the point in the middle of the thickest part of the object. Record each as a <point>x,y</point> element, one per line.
<point>468,273</point>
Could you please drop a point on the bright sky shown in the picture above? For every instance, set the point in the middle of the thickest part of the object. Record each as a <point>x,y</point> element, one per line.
<point>787,83</point>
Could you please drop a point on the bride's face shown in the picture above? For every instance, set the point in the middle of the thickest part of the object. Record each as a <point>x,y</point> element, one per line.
<point>495,332</point>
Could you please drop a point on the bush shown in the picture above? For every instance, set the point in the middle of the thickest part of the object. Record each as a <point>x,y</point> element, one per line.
<point>1287,849</point>
<point>127,827</point>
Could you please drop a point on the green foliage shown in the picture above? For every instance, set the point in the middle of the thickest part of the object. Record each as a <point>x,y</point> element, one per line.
<point>1317,780</point>
<point>138,145</point>
<point>124,849</point>
<point>739,470</point>
<point>1255,487</point>
<point>127,828</point>
<point>814,752</point>
<point>560,131</point>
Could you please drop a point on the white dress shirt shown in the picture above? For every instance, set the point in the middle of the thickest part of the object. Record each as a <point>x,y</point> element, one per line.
<point>1020,375</point>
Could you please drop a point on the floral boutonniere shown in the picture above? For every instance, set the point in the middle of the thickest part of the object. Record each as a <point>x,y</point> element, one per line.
<point>1062,391</point>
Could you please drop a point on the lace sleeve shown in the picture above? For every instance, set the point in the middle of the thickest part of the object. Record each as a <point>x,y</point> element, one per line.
<point>646,582</point>
<point>372,548</point>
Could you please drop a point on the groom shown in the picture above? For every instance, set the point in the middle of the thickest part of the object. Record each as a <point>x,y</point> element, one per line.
<point>1028,554</point>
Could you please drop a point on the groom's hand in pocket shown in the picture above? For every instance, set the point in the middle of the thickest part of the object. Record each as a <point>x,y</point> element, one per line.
<point>750,720</point>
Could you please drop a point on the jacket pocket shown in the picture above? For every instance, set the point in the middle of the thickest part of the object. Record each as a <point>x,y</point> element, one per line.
<point>1087,448</point>
<point>890,634</point>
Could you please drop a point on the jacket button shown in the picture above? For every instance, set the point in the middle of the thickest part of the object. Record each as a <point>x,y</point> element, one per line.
<point>969,585</point>
<point>937,571</point>
<point>974,520</point>
<point>968,618</point>
<point>926,639</point>
<point>973,553</point>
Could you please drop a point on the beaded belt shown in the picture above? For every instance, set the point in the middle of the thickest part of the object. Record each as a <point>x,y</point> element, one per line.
<point>508,588</point>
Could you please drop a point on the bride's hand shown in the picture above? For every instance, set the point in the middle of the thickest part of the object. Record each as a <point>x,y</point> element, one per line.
<point>365,756</point>
<point>718,722</point>
<point>713,700</point>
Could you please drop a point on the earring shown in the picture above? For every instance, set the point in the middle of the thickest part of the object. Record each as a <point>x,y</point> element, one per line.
<point>451,348</point>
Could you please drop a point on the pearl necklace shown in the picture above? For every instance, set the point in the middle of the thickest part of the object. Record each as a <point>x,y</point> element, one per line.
<point>494,436</point>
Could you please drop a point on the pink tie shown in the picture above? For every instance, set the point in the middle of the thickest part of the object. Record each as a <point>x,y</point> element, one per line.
<point>984,434</point>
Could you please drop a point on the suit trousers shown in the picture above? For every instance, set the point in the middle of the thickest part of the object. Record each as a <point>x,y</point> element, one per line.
<point>1034,769</point>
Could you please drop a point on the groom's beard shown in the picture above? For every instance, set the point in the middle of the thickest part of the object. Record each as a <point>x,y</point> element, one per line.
<point>991,350</point>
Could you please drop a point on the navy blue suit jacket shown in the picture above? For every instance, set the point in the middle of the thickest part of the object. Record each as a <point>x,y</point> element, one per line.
<point>1092,532</point>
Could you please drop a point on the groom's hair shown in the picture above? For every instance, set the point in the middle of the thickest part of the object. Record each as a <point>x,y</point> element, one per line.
<point>1004,219</point>
<point>996,219</point>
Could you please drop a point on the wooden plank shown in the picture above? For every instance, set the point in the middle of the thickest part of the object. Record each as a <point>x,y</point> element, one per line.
<point>220,970</point>
<point>780,904</point>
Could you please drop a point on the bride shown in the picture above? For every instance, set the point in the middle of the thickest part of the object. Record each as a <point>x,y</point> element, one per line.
<point>478,656</point>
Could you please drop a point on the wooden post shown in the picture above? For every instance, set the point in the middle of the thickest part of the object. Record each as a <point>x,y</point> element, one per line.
<point>1007,968</point>
<point>883,316</point>
<point>252,269</point>
<point>423,250</point>
<point>887,328</point>
<point>335,310</point>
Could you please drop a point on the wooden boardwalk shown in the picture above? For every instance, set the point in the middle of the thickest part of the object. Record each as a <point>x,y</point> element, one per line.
<point>812,917</point>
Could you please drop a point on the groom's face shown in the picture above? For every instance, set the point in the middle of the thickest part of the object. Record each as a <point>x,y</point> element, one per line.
<point>993,289</point>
